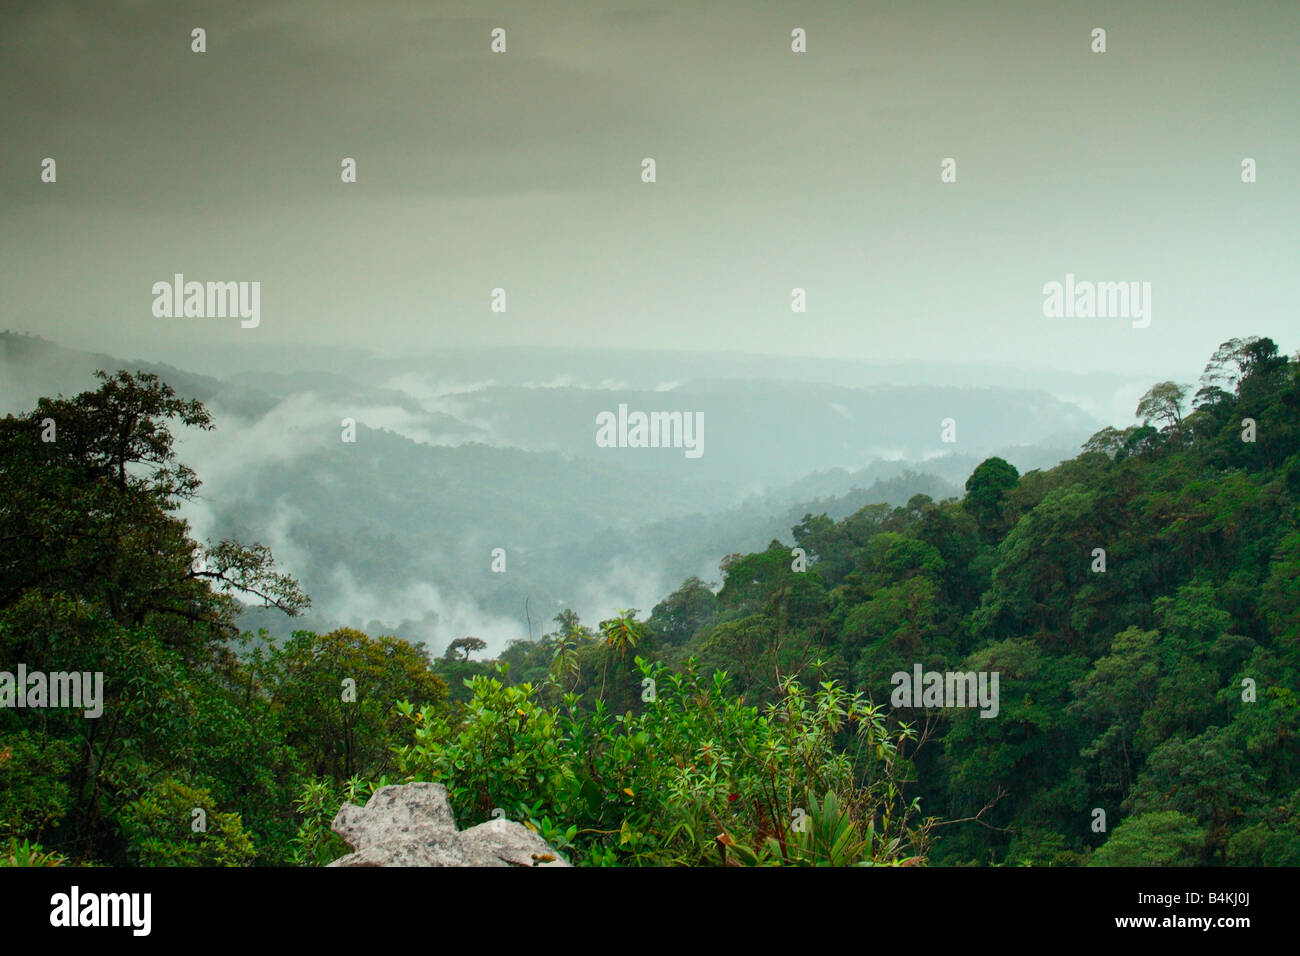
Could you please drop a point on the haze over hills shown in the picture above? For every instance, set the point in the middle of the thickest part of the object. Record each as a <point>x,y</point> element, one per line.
<point>457,454</point>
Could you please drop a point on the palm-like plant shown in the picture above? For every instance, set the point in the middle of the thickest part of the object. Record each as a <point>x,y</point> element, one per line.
<point>25,853</point>
<point>621,633</point>
<point>828,836</point>
<point>564,660</point>
<point>825,836</point>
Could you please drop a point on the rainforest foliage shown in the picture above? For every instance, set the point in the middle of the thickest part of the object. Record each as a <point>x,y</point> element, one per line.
<point>1139,604</point>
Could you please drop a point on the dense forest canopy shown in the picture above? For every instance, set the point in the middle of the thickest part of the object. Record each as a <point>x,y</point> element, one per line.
<point>1139,605</point>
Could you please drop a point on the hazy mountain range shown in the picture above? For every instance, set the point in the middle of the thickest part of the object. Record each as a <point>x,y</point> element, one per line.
<point>462,452</point>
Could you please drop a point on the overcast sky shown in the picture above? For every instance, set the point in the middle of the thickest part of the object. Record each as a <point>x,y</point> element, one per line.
<point>775,170</point>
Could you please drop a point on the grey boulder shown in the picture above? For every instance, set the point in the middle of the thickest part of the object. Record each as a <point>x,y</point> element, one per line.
<point>412,825</point>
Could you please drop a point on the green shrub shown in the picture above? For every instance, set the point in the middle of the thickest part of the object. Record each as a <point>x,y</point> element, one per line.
<point>160,828</point>
<point>24,853</point>
<point>691,778</point>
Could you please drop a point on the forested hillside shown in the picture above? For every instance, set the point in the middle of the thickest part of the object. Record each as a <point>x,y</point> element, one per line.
<point>1139,606</point>
<point>1140,603</point>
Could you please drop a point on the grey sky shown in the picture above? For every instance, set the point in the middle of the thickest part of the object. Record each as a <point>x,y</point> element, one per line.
<point>775,170</point>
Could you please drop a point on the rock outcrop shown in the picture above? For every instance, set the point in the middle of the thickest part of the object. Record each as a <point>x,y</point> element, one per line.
<point>412,825</point>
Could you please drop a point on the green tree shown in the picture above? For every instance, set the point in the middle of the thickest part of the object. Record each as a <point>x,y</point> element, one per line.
<point>464,646</point>
<point>1163,404</point>
<point>985,489</point>
<point>1161,838</point>
<point>89,513</point>
<point>1207,778</point>
<point>1112,699</point>
<point>683,613</point>
<point>334,696</point>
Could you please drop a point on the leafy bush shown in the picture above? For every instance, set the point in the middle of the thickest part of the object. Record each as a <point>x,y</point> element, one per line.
<point>318,803</point>
<point>160,827</point>
<point>1164,838</point>
<point>34,792</point>
<point>696,778</point>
